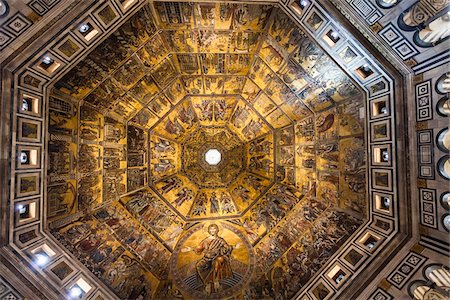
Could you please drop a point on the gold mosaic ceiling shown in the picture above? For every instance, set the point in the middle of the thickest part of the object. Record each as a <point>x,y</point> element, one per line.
<point>245,80</point>
<point>251,50</point>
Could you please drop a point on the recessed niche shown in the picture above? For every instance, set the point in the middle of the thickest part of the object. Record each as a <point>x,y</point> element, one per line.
<point>61,270</point>
<point>381,155</point>
<point>337,275</point>
<point>68,47</point>
<point>300,6</point>
<point>106,15</point>
<point>348,54</point>
<point>314,21</point>
<point>381,179</point>
<point>383,203</point>
<point>382,224</point>
<point>321,291</point>
<point>32,81</point>
<point>29,130</point>
<point>27,184</point>
<point>380,131</point>
<point>370,241</point>
<point>378,87</point>
<point>26,236</point>
<point>353,257</point>
<point>380,107</point>
<point>29,104</point>
<point>79,289</point>
<point>26,212</point>
<point>48,64</point>
<point>365,71</point>
<point>304,3</point>
<point>28,157</point>
<point>87,30</point>
<point>42,255</point>
<point>332,37</point>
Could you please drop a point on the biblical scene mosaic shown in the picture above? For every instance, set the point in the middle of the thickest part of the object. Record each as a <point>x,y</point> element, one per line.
<point>131,193</point>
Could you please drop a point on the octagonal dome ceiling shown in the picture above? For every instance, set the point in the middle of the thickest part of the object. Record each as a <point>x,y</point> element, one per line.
<point>171,83</point>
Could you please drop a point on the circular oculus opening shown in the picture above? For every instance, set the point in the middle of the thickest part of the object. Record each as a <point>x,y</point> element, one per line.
<point>213,157</point>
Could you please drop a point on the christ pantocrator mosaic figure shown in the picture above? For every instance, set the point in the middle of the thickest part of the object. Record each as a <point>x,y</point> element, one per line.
<point>215,265</point>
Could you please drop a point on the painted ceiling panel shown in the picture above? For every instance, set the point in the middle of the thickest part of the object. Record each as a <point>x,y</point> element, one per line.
<point>153,52</point>
<point>177,80</point>
<point>144,90</point>
<point>213,111</point>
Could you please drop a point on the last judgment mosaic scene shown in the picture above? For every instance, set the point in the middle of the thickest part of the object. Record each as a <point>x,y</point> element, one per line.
<point>225,149</point>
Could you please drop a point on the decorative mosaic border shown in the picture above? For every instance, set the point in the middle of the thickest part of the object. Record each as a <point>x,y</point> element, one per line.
<point>18,23</point>
<point>423,101</point>
<point>392,36</point>
<point>41,7</point>
<point>7,292</point>
<point>425,152</point>
<point>428,209</point>
<point>405,269</point>
<point>381,294</point>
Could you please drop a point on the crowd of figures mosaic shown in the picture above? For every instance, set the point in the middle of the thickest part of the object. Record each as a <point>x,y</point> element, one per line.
<point>244,80</point>
<point>214,150</point>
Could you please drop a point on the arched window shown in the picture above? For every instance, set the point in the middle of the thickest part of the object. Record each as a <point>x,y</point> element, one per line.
<point>445,200</point>
<point>420,290</point>
<point>430,28</point>
<point>415,16</point>
<point>439,275</point>
<point>443,166</point>
<point>443,83</point>
<point>4,9</point>
<point>443,140</point>
<point>387,3</point>
<point>434,33</point>
<point>446,221</point>
<point>443,107</point>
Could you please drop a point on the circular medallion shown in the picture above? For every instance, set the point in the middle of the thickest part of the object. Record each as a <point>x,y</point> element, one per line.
<point>212,261</point>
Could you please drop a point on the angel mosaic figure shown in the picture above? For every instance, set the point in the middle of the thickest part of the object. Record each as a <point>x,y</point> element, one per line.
<point>182,196</point>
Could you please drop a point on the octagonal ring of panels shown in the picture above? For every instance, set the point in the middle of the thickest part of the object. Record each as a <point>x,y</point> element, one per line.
<point>240,78</point>
<point>199,126</point>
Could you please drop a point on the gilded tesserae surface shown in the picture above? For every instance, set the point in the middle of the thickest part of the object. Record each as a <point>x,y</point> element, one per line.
<point>130,193</point>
